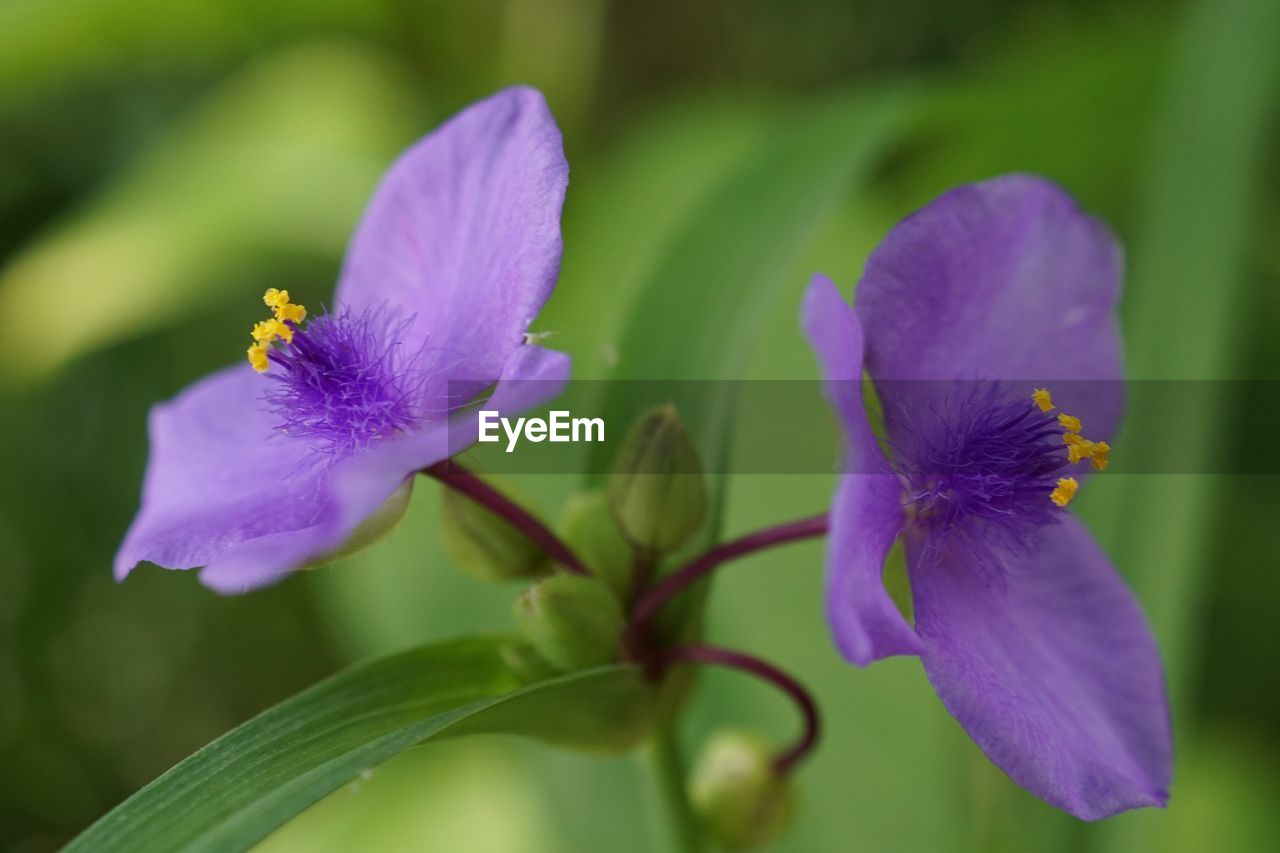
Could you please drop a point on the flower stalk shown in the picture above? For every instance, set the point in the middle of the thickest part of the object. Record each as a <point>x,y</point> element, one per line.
<point>717,656</point>
<point>650,600</point>
<point>465,482</point>
<point>651,603</point>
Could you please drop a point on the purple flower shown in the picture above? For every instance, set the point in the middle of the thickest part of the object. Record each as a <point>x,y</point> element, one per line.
<point>989,316</point>
<point>255,471</point>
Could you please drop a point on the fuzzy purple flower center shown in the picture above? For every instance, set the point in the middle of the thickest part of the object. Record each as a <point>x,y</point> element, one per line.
<point>344,382</point>
<point>986,467</point>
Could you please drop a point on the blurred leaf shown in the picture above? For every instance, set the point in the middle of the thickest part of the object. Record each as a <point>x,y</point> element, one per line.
<point>623,211</point>
<point>44,43</point>
<point>1228,799</point>
<point>708,297</point>
<point>1185,295</point>
<point>253,779</point>
<point>280,160</point>
<point>1071,103</point>
<point>1201,196</point>
<point>441,798</point>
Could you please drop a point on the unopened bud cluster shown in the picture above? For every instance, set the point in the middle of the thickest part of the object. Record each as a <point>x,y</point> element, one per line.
<point>655,502</point>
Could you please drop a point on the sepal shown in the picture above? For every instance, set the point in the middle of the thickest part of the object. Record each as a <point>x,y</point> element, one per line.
<point>573,622</point>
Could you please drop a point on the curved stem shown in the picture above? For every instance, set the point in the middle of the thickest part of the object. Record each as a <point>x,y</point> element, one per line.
<point>465,482</point>
<point>651,603</point>
<point>718,656</point>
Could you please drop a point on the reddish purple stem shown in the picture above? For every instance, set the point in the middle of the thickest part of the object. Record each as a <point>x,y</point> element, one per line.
<point>465,482</point>
<point>651,603</point>
<point>716,656</point>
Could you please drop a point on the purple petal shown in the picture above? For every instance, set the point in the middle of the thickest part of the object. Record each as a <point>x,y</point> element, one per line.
<point>463,233</point>
<point>1004,279</point>
<point>866,515</point>
<point>1053,672</point>
<point>219,473</point>
<point>358,486</point>
<point>531,377</point>
<point>225,490</point>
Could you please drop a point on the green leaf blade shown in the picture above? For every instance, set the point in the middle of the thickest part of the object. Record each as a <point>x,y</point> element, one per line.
<point>239,788</point>
<point>709,295</point>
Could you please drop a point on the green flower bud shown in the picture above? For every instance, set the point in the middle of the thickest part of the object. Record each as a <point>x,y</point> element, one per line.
<point>734,789</point>
<point>525,663</point>
<point>574,622</point>
<point>656,493</point>
<point>484,545</point>
<point>589,530</point>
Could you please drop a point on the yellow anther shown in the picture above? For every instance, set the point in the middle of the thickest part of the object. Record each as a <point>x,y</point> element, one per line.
<point>282,308</point>
<point>267,331</point>
<point>1079,448</point>
<point>278,327</point>
<point>1099,458</point>
<point>290,312</point>
<point>1077,451</point>
<point>258,356</point>
<point>1065,491</point>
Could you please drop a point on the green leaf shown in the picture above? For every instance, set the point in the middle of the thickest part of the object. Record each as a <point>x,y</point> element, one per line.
<point>708,297</point>
<point>712,292</point>
<point>48,43</point>
<point>239,788</point>
<point>627,207</point>
<point>1189,277</point>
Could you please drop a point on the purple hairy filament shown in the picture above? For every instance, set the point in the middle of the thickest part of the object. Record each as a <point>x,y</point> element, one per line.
<point>989,469</point>
<point>341,382</point>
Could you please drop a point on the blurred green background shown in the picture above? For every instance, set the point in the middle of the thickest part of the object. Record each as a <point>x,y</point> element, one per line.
<point>161,165</point>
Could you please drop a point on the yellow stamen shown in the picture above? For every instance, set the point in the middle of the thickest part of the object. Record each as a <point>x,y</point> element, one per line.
<point>1099,458</point>
<point>258,356</point>
<point>1065,491</point>
<point>285,315</point>
<point>1079,450</point>
<point>268,330</point>
<point>290,313</point>
<point>282,308</point>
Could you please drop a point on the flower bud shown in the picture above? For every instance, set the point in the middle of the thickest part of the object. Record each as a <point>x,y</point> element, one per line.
<point>485,545</point>
<point>590,532</point>
<point>574,622</point>
<point>741,800</point>
<point>656,493</point>
<point>525,663</point>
